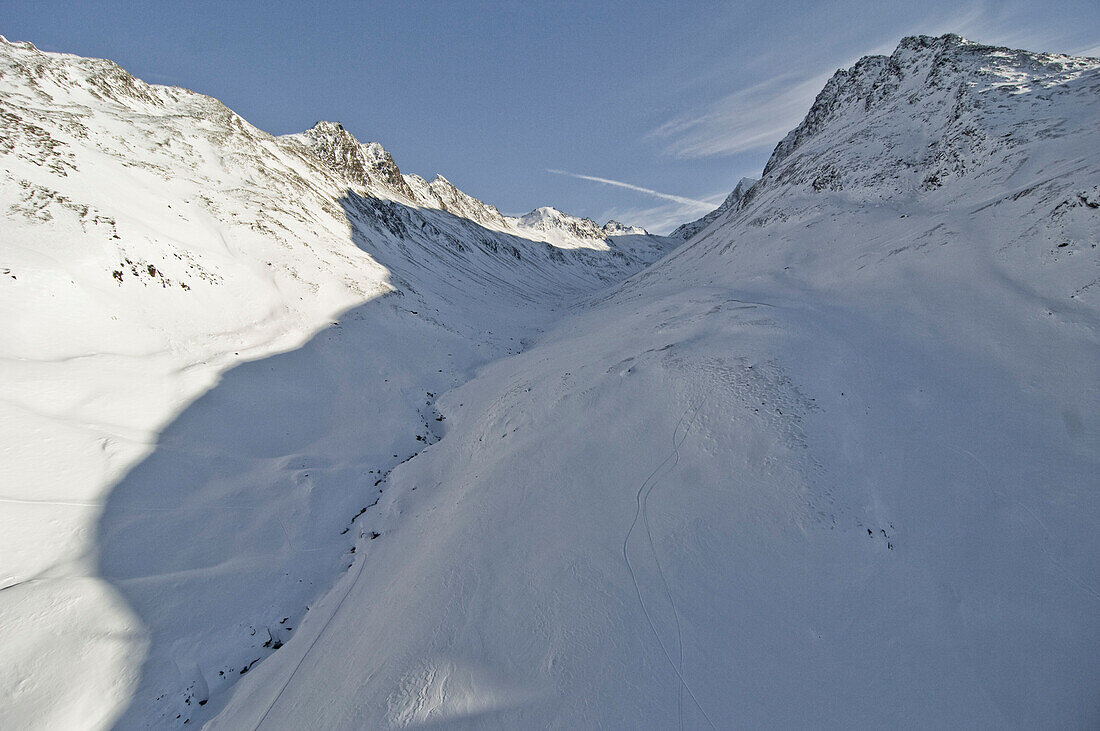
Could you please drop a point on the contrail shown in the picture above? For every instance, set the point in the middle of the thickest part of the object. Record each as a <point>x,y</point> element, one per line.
<point>701,205</point>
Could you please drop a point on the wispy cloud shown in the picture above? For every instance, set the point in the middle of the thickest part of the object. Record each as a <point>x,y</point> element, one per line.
<point>1090,51</point>
<point>664,217</point>
<point>758,115</point>
<point>659,220</point>
<point>701,206</point>
<point>745,120</point>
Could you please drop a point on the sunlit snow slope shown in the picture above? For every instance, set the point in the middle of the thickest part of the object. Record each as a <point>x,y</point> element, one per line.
<point>154,247</point>
<point>834,462</point>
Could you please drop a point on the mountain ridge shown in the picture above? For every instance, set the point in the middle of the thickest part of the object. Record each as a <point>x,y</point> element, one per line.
<point>156,245</point>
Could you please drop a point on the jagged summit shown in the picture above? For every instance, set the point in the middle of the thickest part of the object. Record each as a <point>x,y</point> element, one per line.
<point>686,231</point>
<point>929,111</point>
<point>936,110</point>
<point>615,228</point>
<point>370,167</point>
<point>366,164</point>
<point>561,227</point>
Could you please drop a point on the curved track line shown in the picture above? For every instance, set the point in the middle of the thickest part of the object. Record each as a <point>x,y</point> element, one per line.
<point>640,500</point>
<point>298,665</point>
<point>657,560</point>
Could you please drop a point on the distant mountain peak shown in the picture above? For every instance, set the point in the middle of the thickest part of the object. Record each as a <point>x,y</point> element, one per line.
<point>546,218</point>
<point>732,201</point>
<point>614,228</point>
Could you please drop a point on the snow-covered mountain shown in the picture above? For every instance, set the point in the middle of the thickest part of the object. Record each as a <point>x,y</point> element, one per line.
<point>156,246</point>
<point>373,168</point>
<point>832,462</point>
<point>689,229</point>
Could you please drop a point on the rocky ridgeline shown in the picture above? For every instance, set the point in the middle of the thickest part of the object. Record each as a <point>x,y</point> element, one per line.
<point>369,167</point>
<point>366,165</point>
<point>934,112</point>
<point>934,109</point>
<point>732,201</point>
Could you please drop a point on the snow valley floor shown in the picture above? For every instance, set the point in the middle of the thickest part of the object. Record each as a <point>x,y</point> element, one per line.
<point>294,440</point>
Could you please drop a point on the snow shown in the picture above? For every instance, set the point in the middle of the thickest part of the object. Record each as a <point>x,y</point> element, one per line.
<point>562,229</point>
<point>689,229</point>
<point>159,253</point>
<point>832,462</point>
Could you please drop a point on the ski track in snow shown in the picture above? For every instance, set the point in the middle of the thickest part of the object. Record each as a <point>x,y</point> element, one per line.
<point>297,666</point>
<point>641,500</point>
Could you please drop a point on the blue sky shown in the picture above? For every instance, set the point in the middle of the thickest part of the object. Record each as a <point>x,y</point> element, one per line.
<point>525,104</point>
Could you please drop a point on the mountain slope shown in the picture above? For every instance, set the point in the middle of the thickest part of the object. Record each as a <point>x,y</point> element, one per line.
<point>294,439</point>
<point>158,249</point>
<point>689,229</point>
<point>831,463</point>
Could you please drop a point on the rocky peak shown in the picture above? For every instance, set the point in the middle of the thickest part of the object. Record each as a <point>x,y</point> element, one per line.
<point>732,202</point>
<point>614,228</point>
<point>366,165</point>
<point>548,218</point>
<point>866,85</point>
<point>932,110</point>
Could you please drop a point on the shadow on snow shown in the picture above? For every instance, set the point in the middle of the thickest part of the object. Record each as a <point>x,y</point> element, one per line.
<point>248,508</point>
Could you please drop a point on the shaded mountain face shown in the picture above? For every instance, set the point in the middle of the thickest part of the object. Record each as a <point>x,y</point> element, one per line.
<point>303,441</point>
<point>732,201</point>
